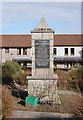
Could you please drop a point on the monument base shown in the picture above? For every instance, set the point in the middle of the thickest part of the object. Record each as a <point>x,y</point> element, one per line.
<point>42,87</point>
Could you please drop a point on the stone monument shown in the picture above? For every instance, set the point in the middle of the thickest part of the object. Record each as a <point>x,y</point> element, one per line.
<point>43,81</point>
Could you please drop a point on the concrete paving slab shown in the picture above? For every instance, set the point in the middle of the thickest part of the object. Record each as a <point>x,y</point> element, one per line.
<point>50,115</point>
<point>28,114</point>
<point>17,114</point>
<point>32,114</point>
<point>66,115</point>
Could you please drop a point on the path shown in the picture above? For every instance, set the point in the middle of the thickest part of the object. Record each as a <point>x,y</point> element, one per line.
<point>69,92</point>
<point>30,114</point>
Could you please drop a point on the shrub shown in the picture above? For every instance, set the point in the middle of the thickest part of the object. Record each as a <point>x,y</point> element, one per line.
<point>69,80</point>
<point>80,70</point>
<point>21,79</point>
<point>80,73</point>
<point>7,80</point>
<point>62,80</point>
<point>25,68</point>
<point>73,78</point>
<point>10,68</point>
<point>78,113</point>
<point>8,104</point>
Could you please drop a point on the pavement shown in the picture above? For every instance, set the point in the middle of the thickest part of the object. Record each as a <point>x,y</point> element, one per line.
<point>36,115</point>
<point>69,92</point>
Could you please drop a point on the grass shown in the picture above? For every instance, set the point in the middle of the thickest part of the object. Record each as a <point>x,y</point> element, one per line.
<point>69,80</point>
<point>0,101</point>
<point>8,103</point>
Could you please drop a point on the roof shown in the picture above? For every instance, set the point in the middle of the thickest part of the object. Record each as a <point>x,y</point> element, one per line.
<point>22,59</point>
<point>64,40</point>
<point>57,59</point>
<point>16,40</point>
<point>25,40</point>
<point>68,58</point>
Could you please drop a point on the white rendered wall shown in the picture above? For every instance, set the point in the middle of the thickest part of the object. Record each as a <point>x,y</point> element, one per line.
<point>60,65</point>
<point>13,53</point>
<point>60,51</point>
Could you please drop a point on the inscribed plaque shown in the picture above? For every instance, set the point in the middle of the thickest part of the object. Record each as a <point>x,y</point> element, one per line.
<point>42,53</point>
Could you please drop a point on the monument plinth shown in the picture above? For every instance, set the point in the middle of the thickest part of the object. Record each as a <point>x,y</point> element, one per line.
<point>43,81</point>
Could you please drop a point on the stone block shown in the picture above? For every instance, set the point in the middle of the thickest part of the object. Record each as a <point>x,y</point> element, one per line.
<point>42,88</point>
<point>36,36</point>
<point>48,36</point>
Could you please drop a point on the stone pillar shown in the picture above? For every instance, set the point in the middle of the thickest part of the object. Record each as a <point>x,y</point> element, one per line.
<point>43,81</point>
<point>42,38</point>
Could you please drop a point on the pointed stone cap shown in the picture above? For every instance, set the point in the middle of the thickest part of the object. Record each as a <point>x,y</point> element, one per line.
<point>42,24</point>
<point>42,27</point>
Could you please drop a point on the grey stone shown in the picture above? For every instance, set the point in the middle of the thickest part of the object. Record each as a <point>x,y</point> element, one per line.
<point>42,24</point>
<point>43,82</point>
<point>31,114</point>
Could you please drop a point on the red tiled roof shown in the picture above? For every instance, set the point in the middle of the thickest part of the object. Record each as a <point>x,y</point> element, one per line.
<point>25,40</point>
<point>16,40</point>
<point>68,40</point>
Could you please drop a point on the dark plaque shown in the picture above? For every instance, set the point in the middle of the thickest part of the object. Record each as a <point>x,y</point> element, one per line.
<point>42,53</point>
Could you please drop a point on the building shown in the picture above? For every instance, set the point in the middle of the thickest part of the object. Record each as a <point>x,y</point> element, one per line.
<point>68,49</point>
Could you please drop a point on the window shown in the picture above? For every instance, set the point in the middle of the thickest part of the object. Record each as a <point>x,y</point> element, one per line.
<point>54,51</point>
<point>72,51</point>
<point>19,51</point>
<point>7,50</point>
<point>24,51</point>
<point>66,51</point>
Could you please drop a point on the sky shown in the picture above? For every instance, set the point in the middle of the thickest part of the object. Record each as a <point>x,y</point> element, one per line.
<point>22,17</point>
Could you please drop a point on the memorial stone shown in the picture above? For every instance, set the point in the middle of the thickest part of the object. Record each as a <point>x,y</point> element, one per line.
<point>43,81</point>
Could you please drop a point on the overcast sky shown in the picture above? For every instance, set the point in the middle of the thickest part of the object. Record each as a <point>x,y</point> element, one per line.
<point>22,17</point>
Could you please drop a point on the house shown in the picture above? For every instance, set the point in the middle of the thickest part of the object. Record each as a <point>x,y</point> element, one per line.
<point>67,49</point>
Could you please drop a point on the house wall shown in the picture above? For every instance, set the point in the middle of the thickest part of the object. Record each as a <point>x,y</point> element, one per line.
<point>60,65</point>
<point>13,53</point>
<point>60,51</point>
